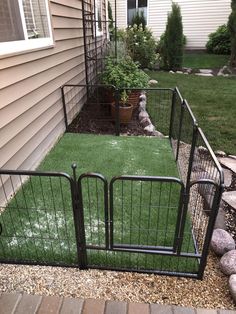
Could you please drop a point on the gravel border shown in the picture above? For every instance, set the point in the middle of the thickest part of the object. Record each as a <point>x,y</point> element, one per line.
<point>211,292</point>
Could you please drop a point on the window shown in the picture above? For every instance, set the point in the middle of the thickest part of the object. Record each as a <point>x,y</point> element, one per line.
<point>98,17</point>
<point>24,24</point>
<point>135,6</point>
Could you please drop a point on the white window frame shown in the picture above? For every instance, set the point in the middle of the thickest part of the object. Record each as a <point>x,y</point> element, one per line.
<point>18,46</point>
<point>98,31</point>
<point>136,1</point>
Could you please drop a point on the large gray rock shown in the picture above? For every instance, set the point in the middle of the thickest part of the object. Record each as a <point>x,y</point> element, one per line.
<point>222,242</point>
<point>230,198</point>
<point>232,286</point>
<point>150,128</point>
<point>142,115</point>
<point>205,71</point>
<point>145,122</point>
<point>228,162</point>
<point>220,219</point>
<point>227,177</point>
<point>228,263</point>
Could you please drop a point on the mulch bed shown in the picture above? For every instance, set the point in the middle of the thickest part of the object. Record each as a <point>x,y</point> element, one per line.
<point>98,121</point>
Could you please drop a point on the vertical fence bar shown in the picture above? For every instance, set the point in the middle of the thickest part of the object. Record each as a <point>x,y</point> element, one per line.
<point>117,111</point>
<point>64,107</point>
<point>191,157</point>
<point>180,129</point>
<point>79,221</point>
<point>173,104</point>
<point>210,228</point>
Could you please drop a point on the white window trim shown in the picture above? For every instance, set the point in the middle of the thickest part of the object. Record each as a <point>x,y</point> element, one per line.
<point>97,31</point>
<point>19,46</point>
<point>136,8</point>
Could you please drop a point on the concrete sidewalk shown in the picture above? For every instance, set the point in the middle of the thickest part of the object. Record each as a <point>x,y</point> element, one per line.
<point>13,303</point>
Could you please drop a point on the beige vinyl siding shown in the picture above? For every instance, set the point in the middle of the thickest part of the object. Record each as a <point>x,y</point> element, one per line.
<point>31,114</point>
<point>121,12</point>
<point>200,17</point>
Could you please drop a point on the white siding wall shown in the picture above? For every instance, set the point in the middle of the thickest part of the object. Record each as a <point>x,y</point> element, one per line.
<point>200,17</point>
<point>121,12</point>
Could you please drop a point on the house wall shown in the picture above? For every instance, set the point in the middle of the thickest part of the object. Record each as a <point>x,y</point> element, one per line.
<point>200,17</point>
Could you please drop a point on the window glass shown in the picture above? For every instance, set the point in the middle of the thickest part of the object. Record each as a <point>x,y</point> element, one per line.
<point>131,4</point>
<point>142,3</point>
<point>24,24</point>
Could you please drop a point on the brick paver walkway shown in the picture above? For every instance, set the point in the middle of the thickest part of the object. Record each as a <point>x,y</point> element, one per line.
<point>13,303</point>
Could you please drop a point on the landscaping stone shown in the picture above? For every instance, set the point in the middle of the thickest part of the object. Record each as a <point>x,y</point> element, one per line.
<point>152,82</point>
<point>171,72</point>
<point>220,219</point>
<point>142,115</point>
<point>232,286</point>
<point>232,156</point>
<point>230,198</point>
<point>187,70</point>
<point>204,74</point>
<point>220,153</point>
<point>228,263</point>
<point>150,128</point>
<point>143,97</point>
<point>227,177</point>
<point>142,105</point>
<point>205,71</point>
<point>222,242</point>
<point>145,122</point>
<point>179,72</point>
<point>158,134</point>
<point>228,162</point>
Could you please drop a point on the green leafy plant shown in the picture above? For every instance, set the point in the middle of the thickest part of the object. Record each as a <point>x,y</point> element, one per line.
<point>139,20</point>
<point>219,41</point>
<point>232,30</point>
<point>172,42</point>
<point>141,45</point>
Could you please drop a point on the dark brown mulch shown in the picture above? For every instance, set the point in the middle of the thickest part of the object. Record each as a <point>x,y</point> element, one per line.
<point>97,120</point>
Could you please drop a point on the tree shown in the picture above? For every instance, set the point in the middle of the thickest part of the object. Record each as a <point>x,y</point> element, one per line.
<point>232,30</point>
<point>173,40</point>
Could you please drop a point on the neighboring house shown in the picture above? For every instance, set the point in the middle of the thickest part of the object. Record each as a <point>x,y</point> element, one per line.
<point>200,17</point>
<point>41,48</point>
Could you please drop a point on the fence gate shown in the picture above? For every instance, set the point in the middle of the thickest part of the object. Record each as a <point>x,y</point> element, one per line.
<point>133,214</point>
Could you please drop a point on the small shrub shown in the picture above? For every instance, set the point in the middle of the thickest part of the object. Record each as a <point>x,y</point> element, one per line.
<point>139,20</point>
<point>219,41</point>
<point>172,42</point>
<point>141,46</point>
<point>232,30</point>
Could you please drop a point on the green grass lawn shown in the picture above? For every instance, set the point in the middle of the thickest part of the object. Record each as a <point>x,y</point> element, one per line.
<point>38,221</point>
<point>204,60</point>
<point>212,100</point>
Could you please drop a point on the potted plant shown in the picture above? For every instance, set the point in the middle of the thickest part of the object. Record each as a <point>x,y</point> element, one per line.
<point>125,75</point>
<point>125,108</point>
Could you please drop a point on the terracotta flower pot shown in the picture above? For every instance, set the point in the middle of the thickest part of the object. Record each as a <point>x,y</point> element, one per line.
<point>125,112</point>
<point>134,98</point>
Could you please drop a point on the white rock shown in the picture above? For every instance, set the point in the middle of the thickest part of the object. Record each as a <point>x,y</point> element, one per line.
<point>142,105</point>
<point>152,82</point>
<point>205,71</point>
<point>171,72</point>
<point>229,163</point>
<point>230,198</point>
<point>179,72</point>
<point>143,114</point>
<point>204,74</point>
<point>145,122</point>
<point>228,263</point>
<point>222,242</point>
<point>232,286</point>
<point>227,177</point>
<point>150,128</point>
<point>143,97</point>
<point>220,153</point>
<point>158,134</point>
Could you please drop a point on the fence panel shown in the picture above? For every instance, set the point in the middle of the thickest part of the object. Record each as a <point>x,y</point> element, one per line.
<point>37,218</point>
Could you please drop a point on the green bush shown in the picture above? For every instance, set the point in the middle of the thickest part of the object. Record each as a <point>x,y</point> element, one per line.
<point>139,20</point>
<point>172,42</point>
<point>219,41</point>
<point>141,46</point>
<point>123,73</point>
<point>232,30</point>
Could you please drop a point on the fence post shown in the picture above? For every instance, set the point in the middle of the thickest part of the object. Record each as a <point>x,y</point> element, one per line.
<point>79,221</point>
<point>180,129</point>
<point>172,113</point>
<point>64,107</point>
<point>117,112</point>
<point>191,157</point>
<point>210,228</point>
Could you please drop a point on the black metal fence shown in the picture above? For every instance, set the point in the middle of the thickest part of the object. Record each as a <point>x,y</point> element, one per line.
<point>135,223</point>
